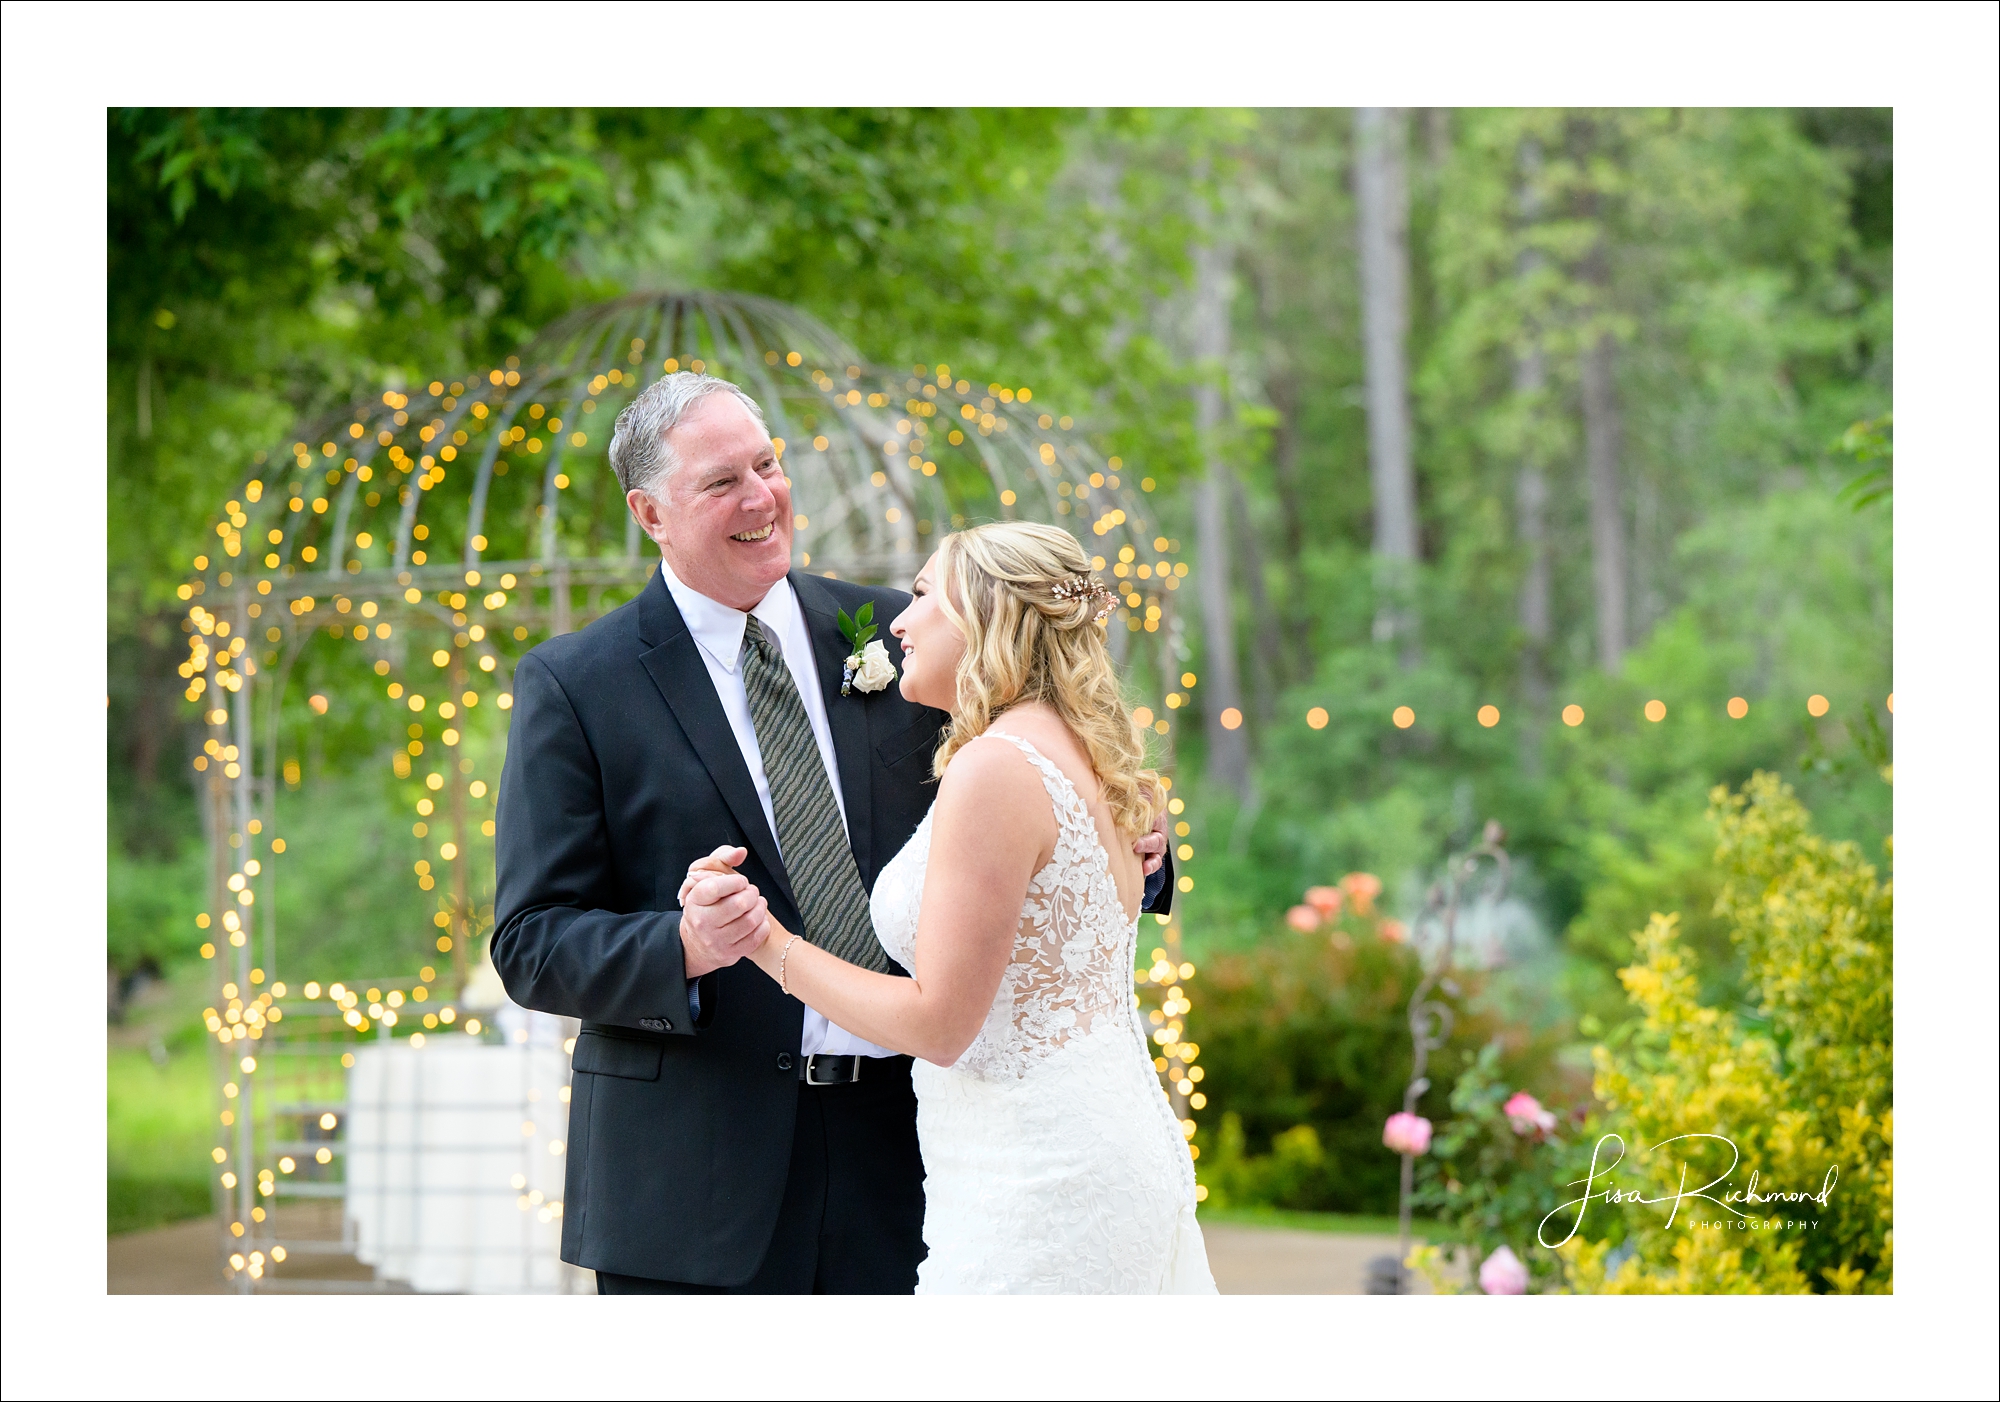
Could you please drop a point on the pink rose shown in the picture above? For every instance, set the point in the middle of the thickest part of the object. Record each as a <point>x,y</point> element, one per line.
<point>1324,899</point>
<point>1407,1133</point>
<point>1302,918</point>
<point>1526,1115</point>
<point>1503,1274</point>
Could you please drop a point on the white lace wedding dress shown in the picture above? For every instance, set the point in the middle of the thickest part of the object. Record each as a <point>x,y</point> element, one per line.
<point>1053,1162</point>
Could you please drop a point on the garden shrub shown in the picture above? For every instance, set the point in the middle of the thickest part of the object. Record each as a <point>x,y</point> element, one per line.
<point>1306,1042</point>
<point>1801,1086</point>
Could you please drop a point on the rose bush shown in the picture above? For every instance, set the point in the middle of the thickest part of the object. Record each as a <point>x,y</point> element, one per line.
<point>1308,1035</point>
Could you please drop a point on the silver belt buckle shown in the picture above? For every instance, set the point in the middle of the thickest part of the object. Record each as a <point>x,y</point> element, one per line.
<point>812,1060</point>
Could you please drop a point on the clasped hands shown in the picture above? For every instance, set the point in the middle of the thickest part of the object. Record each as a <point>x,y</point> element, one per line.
<point>725,918</point>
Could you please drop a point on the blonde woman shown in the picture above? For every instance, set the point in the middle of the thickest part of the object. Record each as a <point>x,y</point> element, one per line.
<point>1053,1162</point>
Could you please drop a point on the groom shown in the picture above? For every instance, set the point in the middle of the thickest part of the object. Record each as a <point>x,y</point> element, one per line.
<point>723,1137</point>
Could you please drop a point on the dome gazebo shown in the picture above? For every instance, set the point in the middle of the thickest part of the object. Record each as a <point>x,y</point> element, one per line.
<point>431,536</point>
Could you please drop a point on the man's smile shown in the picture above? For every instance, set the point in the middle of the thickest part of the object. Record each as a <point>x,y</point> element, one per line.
<point>763,532</point>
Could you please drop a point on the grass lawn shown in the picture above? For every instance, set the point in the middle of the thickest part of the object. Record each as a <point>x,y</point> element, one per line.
<point>160,1107</point>
<point>159,1127</point>
<point>1351,1224</point>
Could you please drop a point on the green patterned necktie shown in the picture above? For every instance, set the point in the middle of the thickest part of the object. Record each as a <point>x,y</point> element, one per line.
<point>810,837</point>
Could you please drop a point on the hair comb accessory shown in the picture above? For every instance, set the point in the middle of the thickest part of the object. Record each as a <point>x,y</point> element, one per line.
<point>1083,586</point>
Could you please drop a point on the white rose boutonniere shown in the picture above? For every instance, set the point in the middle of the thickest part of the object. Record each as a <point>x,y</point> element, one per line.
<point>876,670</point>
<point>867,667</point>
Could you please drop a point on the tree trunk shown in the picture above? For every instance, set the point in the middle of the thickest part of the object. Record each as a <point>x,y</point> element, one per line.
<point>1531,490</point>
<point>1292,654</point>
<point>1607,509</point>
<point>1222,688</point>
<point>1383,205</point>
<point>1531,499</point>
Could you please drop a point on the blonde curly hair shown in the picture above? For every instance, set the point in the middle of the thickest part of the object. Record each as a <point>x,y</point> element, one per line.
<point>1025,598</point>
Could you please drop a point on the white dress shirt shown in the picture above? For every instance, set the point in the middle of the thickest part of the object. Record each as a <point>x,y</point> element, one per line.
<point>718,633</point>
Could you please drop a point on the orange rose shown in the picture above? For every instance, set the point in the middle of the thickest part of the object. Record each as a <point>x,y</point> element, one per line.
<point>1324,899</point>
<point>1362,889</point>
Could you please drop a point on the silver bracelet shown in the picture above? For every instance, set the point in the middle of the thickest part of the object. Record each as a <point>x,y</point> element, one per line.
<point>783,955</point>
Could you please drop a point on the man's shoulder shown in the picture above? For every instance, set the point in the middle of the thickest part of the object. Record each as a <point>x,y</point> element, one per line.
<point>850,595</point>
<point>611,639</point>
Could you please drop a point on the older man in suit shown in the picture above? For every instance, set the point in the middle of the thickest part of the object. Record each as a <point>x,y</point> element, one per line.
<point>723,1136</point>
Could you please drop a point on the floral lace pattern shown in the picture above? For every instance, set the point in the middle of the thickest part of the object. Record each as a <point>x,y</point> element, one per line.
<point>1053,1161</point>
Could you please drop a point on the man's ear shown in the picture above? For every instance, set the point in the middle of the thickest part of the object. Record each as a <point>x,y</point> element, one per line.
<point>647,510</point>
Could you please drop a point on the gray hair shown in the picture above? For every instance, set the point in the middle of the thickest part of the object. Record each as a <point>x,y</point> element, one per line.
<point>639,452</point>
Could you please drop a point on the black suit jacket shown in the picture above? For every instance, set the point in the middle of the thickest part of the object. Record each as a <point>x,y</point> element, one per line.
<point>621,770</point>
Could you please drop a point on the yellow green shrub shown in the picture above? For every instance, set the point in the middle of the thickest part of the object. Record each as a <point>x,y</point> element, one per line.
<point>1801,1086</point>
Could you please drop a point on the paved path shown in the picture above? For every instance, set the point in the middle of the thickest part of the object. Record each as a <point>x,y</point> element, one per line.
<point>176,1260</point>
<point>182,1260</point>
<point>187,1257</point>
<point>1279,1261</point>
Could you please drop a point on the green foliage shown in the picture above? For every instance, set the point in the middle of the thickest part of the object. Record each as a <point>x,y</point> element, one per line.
<point>1867,441</point>
<point>149,907</point>
<point>347,905</point>
<point>1289,1174</point>
<point>1802,1086</point>
<point>859,629</point>
<point>1751,310</point>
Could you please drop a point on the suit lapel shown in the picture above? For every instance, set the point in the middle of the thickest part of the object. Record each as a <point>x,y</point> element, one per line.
<point>846,716</point>
<point>674,662</point>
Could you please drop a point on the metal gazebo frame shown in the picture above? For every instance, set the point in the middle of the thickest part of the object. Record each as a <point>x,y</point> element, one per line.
<point>437,531</point>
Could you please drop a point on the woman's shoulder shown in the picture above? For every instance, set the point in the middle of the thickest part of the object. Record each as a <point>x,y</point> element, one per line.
<point>993,794</point>
<point>994,757</point>
<point>1052,739</point>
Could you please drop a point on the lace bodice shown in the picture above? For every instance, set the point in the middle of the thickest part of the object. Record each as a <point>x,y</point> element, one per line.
<point>1072,961</point>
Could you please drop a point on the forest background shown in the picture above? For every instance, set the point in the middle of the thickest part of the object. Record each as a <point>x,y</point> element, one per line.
<point>1524,409</point>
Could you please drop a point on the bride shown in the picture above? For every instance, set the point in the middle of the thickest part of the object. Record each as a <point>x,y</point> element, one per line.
<point>1053,1162</point>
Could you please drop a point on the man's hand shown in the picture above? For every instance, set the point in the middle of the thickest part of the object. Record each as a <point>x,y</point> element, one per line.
<point>722,914</point>
<point>1152,848</point>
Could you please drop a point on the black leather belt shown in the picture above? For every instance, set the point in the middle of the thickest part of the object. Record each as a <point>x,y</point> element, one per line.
<point>822,1070</point>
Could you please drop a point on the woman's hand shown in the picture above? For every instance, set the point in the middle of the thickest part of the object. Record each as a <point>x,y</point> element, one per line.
<point>723,917</point>
<point>721,862</point>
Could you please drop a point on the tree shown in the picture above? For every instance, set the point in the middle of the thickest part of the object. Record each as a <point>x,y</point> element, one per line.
<point>1228,747</point>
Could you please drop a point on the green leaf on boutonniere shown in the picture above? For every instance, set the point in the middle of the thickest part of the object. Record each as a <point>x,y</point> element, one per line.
<point>858,629</point>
